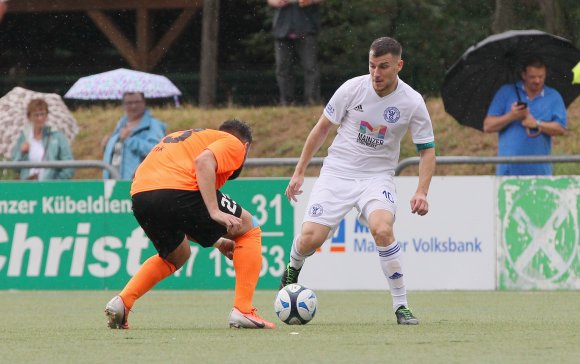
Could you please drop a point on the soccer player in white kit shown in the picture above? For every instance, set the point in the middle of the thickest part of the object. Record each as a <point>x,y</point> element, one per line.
<point>373,113</point>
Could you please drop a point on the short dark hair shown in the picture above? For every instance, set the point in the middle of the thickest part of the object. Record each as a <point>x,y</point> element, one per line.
<point>238,128</point>
<point>534,61</point>
<point>386,45</point>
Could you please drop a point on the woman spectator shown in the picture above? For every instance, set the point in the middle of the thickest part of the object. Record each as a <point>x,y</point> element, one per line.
<point>38,142</point>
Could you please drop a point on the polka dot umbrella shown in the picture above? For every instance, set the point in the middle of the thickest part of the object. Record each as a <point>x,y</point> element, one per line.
<point>111,85</point>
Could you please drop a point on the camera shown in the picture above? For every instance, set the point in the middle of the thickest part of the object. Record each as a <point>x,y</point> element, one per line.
<point>524,104</point>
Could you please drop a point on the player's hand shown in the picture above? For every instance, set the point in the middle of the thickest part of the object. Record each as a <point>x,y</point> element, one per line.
<point>232,223</point>
<point>226,247</point>
<point>294,188</point>
<point>419,204</point>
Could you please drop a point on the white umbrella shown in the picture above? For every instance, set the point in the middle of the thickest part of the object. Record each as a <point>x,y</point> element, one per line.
<point>112,85</point>
<point>13,116</point>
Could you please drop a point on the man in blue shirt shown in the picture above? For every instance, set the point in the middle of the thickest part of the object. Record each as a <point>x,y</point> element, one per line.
<point>527,115</point>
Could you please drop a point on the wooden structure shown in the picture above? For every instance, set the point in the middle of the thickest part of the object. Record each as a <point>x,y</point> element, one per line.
<point>142,54</point>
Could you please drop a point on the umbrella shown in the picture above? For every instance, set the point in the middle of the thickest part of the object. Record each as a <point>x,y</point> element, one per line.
<point>576,71</point>
<point>112,85</point>
<point>13,116</point>
<point>471,83</point>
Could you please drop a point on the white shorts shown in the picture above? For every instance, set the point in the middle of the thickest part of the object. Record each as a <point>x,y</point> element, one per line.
<point>333,197</point>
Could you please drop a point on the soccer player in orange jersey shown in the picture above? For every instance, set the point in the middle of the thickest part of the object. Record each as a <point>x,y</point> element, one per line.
<point>176,198</point>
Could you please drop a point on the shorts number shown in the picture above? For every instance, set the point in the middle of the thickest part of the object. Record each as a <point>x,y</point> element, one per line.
<point>389,196</point>
<point>229,204</point>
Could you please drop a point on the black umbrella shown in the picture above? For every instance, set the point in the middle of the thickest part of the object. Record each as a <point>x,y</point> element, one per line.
<point>471,83</point>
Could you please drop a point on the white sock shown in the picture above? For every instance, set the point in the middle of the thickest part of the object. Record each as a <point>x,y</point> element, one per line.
<point>297,259</point>
<point>390,259</point>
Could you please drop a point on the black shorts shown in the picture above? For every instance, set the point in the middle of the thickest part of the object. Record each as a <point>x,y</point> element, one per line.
<point>167,216</point>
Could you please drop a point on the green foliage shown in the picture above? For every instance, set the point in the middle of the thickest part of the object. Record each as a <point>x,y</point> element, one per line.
<point>434,33</point>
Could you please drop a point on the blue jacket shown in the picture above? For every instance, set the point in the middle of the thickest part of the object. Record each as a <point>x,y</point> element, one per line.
<point>143,138</point>
<point>56,148</point>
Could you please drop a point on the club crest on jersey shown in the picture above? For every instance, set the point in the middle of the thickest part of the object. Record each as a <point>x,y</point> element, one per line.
<point>330,109</point>
<point>371,135</point>
<point>391,114</point>
<point>315,210</point>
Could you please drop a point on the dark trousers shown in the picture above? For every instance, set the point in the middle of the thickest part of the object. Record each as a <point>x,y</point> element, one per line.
<point>287,53</point>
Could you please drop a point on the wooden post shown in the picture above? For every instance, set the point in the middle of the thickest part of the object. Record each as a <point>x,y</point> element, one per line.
<point>209,57</point>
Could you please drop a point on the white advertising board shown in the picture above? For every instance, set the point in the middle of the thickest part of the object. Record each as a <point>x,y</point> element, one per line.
<point>451,248</point>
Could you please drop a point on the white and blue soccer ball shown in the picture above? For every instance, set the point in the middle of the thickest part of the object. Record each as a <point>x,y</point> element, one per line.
<point>295,304</point>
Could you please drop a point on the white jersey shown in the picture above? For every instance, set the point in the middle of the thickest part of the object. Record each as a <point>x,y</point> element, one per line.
<point>371,127</point>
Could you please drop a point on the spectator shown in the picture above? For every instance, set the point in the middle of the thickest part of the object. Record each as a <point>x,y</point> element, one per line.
<point>134,136</point>
<point>296,25</point>
<point>526,115</point>
<point>38,142</point>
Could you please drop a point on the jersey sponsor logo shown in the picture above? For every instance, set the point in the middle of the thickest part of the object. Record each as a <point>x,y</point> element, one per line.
<point>315,210</point>
<point>392,114</point>
<point>330,109</point>
<point>371,136</point>
<point>359,108</point>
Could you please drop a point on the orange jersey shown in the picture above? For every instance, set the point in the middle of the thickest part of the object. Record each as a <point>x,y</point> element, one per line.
<point>171,163</point>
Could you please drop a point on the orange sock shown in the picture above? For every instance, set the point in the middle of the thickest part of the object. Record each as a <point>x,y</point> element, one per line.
<point>151,272</point>
<point>247,264</point>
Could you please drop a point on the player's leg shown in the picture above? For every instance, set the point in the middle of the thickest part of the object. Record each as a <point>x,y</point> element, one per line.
<point>150,210</point>
<point>311,237</point>
<point>247,254</point>
<point>247,259</point>
<point>381,226</point>
<point>330,200</point>
<point>379,213</point>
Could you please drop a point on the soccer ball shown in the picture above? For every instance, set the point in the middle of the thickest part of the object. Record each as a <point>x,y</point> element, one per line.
<point>295,304</point>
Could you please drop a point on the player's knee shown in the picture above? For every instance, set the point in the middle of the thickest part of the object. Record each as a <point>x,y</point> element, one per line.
<point>253,235</point>
<point>308,242</point>
<point>383,235</point>
<point>180,255</point>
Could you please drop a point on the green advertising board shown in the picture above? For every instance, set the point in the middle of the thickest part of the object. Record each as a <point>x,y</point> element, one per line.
<point>82,235</point>
<point>538,233</point>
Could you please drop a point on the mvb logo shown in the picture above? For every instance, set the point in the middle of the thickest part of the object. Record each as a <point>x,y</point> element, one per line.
<point>338,240</point>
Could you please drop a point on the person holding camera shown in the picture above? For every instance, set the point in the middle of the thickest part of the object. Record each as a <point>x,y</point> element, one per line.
<point>526,115</point>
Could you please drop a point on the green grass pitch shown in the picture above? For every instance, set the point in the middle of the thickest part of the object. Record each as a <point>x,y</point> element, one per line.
<point>349,327</point>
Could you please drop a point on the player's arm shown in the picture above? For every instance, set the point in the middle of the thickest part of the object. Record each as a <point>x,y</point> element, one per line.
<point>317,136</point>
<point>205,167</point>
<point>419,203</point>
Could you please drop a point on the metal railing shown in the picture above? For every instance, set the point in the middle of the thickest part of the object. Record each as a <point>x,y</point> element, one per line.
<point>486,160</point>
<point>278,162</point>
<point>62,164</point>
